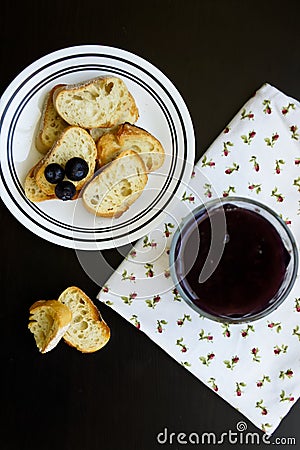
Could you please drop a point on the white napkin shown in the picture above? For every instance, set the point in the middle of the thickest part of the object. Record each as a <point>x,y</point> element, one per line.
<point>256,366</point>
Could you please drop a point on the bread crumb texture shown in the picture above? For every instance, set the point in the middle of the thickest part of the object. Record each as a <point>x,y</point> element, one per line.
<point>100,102</point>
<point>88,332</point>
<point>48,321</point>
<point>117,186</point>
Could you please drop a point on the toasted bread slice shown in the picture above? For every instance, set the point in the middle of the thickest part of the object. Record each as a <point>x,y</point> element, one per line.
<point>101,102</point>
<point>96,133</point>
<point>127,136</point>
<point>116,186</point>
<point>74,141</point>
<point>88,332</point>
<point>51,124</point>
<point>32,190</point>
<point>48,321</point>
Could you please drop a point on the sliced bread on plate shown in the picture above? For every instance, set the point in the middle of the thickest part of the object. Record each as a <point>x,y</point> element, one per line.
<point>116,186</point>
<point>130,137</point>
<point>73,142</point>
<point>51,123</point>
<point>100,102</point>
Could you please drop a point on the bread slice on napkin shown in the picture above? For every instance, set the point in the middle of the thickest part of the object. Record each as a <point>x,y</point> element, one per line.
<point>48,321</point>
<point>96,103</point>
<point>73,141</point>
<point>88,332</point>
<point>130,137</point>
<point>51,123</point>
<point>116,186</point>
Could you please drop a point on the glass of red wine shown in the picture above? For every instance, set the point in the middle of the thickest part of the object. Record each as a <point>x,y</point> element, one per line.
<point>233,260</point>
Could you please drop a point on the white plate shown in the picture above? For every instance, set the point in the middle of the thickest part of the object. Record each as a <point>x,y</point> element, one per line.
<point>162,112</point>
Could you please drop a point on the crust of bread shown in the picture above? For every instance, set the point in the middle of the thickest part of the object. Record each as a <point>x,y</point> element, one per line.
<point>101,102</point>
<point>74,141</point>
<point>88,331</point>
<point>48,321</point>
<point>32,190</point>
<point>117,186</point>
<point>127,136</point>
<point>51,124</point>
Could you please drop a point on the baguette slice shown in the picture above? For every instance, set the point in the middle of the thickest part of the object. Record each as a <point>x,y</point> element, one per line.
<point>32,190</point>
<point>101,102</point>
<point>117,186</point>
<point>48,321</point>
<point>74,141</point>
<point>51,124</point>
<point>88,331</point>
<point>127,136</point>
<point>96,133</point>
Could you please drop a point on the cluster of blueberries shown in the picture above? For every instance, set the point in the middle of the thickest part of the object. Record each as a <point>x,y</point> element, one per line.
<point>75,170</point>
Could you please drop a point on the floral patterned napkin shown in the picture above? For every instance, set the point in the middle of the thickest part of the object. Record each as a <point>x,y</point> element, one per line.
<point>254,366</point>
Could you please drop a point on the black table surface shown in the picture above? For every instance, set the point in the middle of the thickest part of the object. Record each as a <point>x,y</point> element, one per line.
<point>217,53</point>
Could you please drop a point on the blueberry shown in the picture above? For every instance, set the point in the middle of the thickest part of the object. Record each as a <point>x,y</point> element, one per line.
<point>65,190</point>
<point>54,173</point>
<point>76,169</point>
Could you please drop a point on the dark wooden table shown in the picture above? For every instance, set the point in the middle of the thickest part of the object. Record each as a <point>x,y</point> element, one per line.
<point>217,53</point>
